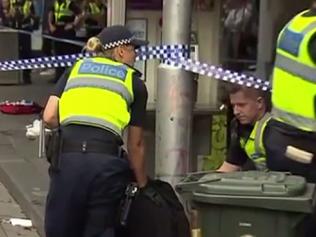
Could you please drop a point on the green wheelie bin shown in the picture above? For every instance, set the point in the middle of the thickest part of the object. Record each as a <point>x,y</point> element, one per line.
<point>250,203</point>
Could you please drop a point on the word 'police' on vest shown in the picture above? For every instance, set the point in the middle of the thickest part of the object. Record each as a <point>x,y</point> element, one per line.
<point>118,72</point>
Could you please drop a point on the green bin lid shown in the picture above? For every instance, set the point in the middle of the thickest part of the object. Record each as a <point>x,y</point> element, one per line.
<point>247,183</point>
<point>269,190</point>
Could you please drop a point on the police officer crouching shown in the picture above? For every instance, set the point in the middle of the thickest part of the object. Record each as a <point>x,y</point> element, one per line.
<point>93,103</point>
<point>247,144</point>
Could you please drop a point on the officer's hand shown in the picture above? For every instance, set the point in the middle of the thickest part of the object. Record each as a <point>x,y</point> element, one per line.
<point>52,28</point>
<point>142,184</point>
<point>150,192</point>
<point>145,187</point>
<point>12,11</point>
<point>69,26</point>
<point>85,14</point>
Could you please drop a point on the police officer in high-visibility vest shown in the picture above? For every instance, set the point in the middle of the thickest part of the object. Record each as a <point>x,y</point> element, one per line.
<point>63,19</point>
<point>246,148</point>
<point>93,104</point>
<point>94,17</point>
<point>22,16</point>
<point>292,129</point>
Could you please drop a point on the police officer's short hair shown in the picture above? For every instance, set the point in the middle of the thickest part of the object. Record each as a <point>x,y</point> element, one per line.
<point>251,93</point>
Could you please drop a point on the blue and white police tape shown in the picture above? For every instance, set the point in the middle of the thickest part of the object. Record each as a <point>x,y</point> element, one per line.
<point>144,53</point>
<point>43,62</point>
<point>172,55</point>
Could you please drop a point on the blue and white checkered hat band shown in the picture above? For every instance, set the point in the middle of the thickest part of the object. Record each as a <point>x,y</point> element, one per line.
<point>117,43</point>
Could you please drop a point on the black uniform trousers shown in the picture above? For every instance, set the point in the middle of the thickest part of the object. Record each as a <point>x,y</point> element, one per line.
<point>25,51</point>
<point>84,195</point>
<point>47,47</point>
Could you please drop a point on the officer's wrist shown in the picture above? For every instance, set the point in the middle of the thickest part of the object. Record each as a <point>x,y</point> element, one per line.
<point>142,185</point>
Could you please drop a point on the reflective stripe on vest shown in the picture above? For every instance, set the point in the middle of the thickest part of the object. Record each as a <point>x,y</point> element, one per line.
<point>61,10</point>
<point>294,75</point>
<point>98,93</point>
<point>295,120</point>
<point>91,120</point>
<point>297,69</point>
<point>12,2</point>
<point>102,84</point>
<point>94,8</point>
<point>27,8</point>
<point>254,144</point>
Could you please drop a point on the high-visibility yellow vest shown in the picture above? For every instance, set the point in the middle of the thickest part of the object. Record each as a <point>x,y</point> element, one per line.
<point>253,146</point>
<point>98,93</point>
<point>26,7</point>
<point>94,8</point>
<point>294,75</point>
<point>62,10</point>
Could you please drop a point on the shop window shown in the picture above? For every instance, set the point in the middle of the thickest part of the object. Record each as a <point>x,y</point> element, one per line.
<point>239,36</point>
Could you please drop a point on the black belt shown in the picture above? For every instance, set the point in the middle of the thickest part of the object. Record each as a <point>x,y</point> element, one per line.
<point>92,147</point>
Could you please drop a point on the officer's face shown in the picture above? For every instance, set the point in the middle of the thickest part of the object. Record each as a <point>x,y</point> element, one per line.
<point>247,109</point>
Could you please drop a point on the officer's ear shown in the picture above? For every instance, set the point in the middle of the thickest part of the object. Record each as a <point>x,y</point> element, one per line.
<point>260,102</point>
<point>120,52</point>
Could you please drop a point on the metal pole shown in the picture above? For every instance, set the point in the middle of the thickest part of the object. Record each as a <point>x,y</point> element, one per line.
<point>41,140</point>
<point>174,98</point>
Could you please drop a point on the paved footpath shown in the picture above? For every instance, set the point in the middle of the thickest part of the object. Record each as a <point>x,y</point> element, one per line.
<point>10,209</point>
<point>21,172</point>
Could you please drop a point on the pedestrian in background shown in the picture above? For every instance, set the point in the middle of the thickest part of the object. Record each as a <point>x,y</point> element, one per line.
<point>22,17</point>
<point>64,18</point>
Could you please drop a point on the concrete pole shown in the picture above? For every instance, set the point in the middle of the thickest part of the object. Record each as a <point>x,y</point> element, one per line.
<point>174,98</point>
<point>116,12</point>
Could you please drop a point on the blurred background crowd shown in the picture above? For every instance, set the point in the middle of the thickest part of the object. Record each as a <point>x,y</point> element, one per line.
<point>57,21</point>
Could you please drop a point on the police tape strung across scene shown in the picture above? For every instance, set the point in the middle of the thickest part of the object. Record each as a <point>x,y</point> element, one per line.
<point>172,55</point>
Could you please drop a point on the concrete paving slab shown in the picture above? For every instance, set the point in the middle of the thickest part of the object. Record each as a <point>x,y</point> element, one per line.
<point>2,233</point>
<point>21,171</point>
<point>4,139</point>
<point>10,209</point>
<point>7,150</point>
<point>18,231</point>
<point>29,188</point>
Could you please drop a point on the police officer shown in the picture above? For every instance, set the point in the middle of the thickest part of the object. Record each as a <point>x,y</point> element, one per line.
<point>63,19</point>
<point>292,131</point>
<point>246,150</point>
<point>22,16</point>
<point>95,17</point>
<point>93,103</point>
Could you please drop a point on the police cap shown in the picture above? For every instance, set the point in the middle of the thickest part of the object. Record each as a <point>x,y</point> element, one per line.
<point>114,36</point>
